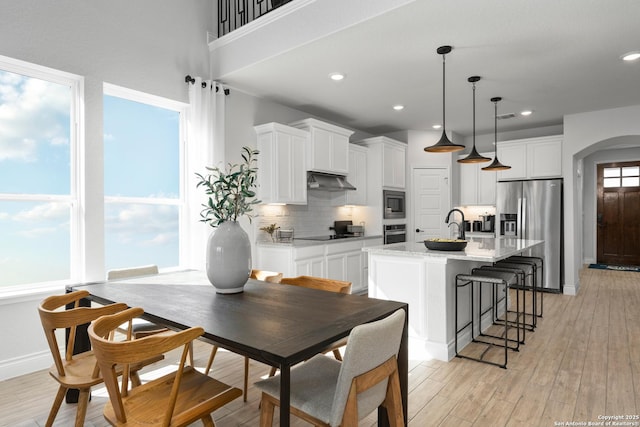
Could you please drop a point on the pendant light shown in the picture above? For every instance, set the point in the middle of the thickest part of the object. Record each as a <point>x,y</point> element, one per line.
<point>496,165</point>
<point>474,156</point>
<point>444,145</point>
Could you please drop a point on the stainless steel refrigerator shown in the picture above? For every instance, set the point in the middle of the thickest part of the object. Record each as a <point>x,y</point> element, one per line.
<point>533,210</point>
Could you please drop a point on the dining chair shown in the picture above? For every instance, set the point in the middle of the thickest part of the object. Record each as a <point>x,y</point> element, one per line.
<point>265,276</point>
<point>178,398</point>
<point>326,392</point>
<point>320,283</point>
<point>76,371</point>
<point>141,327</point>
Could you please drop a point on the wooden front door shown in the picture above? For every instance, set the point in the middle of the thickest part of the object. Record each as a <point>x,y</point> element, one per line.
<point>618,215</point>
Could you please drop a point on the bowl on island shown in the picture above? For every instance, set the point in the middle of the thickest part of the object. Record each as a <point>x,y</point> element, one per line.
<point>439,244</point>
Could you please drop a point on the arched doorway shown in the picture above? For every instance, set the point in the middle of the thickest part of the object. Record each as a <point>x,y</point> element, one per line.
<point>618,211</point>
<point>610,151</point>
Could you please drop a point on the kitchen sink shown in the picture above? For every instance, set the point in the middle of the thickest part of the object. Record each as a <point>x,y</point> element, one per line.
<point>439,244</point>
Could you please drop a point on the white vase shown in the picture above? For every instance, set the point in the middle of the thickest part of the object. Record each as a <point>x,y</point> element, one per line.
<point>228,258</point>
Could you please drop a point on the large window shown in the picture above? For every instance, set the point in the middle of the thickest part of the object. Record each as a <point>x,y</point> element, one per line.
<point>38,205</point>
<point>142,179</point>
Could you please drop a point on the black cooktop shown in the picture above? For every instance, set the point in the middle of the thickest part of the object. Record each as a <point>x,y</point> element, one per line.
<point>327,237</point>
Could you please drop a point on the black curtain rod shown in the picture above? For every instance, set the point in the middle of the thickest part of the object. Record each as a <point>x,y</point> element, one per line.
<point>189,79</point>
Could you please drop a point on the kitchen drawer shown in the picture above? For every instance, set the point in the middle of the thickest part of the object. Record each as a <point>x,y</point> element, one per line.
<point>342,247</point>
<point>309,252</point>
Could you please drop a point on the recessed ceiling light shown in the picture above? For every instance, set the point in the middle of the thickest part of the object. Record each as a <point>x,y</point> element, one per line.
<point>436,126</point>
<point>631,56</point>
<point>526,113</point>
<point>337,76</point>
<point>398,107</point>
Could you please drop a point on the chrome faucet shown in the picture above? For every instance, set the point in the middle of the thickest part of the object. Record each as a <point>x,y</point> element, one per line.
<point>460,225</point>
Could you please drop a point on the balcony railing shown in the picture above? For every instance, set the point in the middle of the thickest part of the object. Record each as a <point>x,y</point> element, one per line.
<point>233,14</point>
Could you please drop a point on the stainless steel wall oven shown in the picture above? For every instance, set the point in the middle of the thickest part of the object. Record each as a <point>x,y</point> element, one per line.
<point>395,233</point>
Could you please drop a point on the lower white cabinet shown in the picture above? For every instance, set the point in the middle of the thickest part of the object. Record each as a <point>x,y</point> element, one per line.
<point>309,261</point>
<point>339,261</point>
<point>344,262</point>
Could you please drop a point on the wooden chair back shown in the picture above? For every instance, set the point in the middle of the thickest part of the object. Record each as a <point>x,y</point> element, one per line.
<point>176,399</point>
<point>52,318</point>
<point>124,273</point>
<point>320,283</point>
<point>79,371</point>
<point>266,276</point>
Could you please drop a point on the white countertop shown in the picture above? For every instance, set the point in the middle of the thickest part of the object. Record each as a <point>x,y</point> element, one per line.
<point>484,249</point>
<point>301,243</point>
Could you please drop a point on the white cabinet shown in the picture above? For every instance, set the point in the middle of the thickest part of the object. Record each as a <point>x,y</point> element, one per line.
<point>329,146</point>
<point>388,156</point>
<point>344,262</point>
<point>282,175</point>
<point>544,158</point>
<point>477,187</point>
<point>337,260</point>
<point>531,158</point>
<point>357,176</point>
<point>393,167</point>
<point>310,261</point>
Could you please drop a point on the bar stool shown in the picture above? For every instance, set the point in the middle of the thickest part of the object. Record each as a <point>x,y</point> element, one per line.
<point>519,293</point>
<point>494,279</point>
<point>526,283</point>
<point>537,265</point>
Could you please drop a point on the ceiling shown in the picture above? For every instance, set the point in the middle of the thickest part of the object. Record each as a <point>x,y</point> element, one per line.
<point>552,57</point>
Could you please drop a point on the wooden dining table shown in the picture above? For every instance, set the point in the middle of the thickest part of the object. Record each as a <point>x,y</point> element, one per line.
<point>279,325</point>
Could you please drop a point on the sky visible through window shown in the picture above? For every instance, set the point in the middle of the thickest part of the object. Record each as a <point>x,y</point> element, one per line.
<point>142,160</point>
<point>34,161</point>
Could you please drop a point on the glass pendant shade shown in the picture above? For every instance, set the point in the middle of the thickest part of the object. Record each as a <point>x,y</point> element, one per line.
<point>474,156</point>
<point>444,145</point>
<point>496,165</point>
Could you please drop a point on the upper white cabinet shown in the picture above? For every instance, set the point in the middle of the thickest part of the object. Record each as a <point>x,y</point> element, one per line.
<point>282,172</point>
<point>357,175</point>
<point>477,187</point>
<point>389,156</point>
<point>394,160</point>
<point>329,146</point>
<point>531,158</point>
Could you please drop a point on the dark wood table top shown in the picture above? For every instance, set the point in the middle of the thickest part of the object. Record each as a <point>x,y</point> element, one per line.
<point>271,323</point>
<point>277,324</point>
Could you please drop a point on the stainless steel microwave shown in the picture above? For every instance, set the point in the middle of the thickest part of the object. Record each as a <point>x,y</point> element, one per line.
<point>394,204</point>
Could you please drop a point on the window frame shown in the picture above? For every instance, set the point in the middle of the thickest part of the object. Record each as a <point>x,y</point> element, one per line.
<point>76,143</point>
<point>182,109</point>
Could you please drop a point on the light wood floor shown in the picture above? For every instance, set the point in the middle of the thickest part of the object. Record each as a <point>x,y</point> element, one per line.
<point>582,362</point>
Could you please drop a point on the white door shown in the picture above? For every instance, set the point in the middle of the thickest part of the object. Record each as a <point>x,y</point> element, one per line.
<point>431,201</point>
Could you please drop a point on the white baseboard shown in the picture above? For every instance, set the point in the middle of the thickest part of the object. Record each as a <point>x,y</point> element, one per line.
<point>26,364</point>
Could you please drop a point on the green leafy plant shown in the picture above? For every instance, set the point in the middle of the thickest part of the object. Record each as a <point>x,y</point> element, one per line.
<point>270,229</point>
<point>230,191</point>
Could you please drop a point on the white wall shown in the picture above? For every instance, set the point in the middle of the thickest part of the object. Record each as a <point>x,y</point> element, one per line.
<point>146,45</point>
<point>584,134</point>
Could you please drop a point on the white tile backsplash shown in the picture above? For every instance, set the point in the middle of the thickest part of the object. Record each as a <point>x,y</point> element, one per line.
<point>312,219</point>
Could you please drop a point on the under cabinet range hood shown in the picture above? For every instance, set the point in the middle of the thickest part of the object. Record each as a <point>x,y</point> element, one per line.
<point>327,182</point>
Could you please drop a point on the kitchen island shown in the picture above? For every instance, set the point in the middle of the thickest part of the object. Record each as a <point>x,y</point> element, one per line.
<point>411,273</point>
